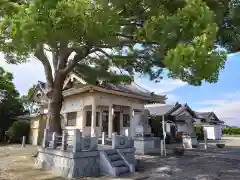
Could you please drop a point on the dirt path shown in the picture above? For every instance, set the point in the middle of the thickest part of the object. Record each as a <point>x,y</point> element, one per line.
<point>17,163</point>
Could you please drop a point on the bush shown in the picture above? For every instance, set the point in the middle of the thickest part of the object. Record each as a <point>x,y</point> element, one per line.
<point>199,132</point>
<point>231,131</point>
<point>17,131</point>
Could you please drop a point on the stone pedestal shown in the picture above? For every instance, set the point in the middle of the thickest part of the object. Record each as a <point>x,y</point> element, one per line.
<point>189,142</point>
<point>147,145</point>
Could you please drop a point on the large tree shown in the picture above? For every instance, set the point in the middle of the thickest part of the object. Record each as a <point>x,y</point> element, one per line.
<point>91,36</point>
<point>10,104</point>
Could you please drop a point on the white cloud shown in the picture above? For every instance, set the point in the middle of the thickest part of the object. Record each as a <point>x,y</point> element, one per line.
<point>227,108</point>
<point>172,98</point>
<point>25,75</point>
<point>162,87</point>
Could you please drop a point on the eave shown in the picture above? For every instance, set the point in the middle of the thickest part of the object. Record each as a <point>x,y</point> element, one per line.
<point>92,88</point>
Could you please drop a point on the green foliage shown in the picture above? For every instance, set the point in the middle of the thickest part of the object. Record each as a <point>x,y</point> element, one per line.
<point>29,105</point>
<point>18,130</point>
<point>199,132</point>
<point>131,35</point>
<point>156,126</point>
<point>10,104</point>
<point>231,131</point>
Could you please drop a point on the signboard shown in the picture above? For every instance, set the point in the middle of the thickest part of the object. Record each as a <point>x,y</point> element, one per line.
<point>73,105</point>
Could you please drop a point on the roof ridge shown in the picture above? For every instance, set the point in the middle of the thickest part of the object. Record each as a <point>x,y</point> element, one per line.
<point>140,87</point>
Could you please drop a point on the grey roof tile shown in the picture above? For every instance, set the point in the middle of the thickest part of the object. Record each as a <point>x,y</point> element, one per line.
<point>158,109</point>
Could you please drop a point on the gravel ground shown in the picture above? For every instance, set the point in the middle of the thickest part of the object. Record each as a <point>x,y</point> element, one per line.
<point>16,163</point>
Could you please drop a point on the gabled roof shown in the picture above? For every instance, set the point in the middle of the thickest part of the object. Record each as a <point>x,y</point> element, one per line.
<point>209,117</point>
<point>159,109</point>
<point>125,89</point>
<point>173,110</point>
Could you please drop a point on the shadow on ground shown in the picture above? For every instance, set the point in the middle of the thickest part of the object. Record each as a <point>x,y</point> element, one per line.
<point>217,164</point>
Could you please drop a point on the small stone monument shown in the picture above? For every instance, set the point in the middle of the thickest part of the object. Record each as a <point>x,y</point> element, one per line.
<point>143,129</point>
<point>143,141</point>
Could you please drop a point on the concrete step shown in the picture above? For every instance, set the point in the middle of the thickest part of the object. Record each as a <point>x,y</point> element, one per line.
<point>118,163</point>
<point>110,151</point>
<point>114,157</point>
<point>122,170</point>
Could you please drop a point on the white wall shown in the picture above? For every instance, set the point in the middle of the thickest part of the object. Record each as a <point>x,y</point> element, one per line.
<point>213,131</point>
<point>186,128</point>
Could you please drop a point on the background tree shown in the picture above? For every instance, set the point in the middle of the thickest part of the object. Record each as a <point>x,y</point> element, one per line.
<point>10,104</point>
<point>29,105</point>
<point>92,36</point>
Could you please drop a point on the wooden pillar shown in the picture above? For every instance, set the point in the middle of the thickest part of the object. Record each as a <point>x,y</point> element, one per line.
<point>130,130</point>
<point>93,122</point>
<point>84,115</point>
<point>100,121</point>
<point>110,121</point>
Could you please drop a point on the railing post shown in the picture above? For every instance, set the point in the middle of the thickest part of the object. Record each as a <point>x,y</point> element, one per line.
<point>103,138</point>
<point>114,136</point>
<point>162,150</point>
<point>54,140</point>
<point>64,141</point>
<point>45,140</point>
<point>77,135</point>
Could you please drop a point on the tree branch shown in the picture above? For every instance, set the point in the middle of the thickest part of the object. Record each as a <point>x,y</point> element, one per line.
<point>80,54</point>
<point>55,57</point>
<point>103,52</point>
<point>64,54</point>
<point>40,55</point>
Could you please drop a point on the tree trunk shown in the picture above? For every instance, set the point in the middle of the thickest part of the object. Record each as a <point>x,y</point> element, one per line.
<point>55,100</point>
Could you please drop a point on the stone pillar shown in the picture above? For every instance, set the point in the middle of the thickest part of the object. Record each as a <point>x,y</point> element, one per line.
<point>64,141</point>
<point>131,113</point>
<point>110,121</point>
<point>24,141</point>
<point>45,139</point>
<point>164,135</point>
<point>93,122</point>
<point>205,139</point>
<point>103,138</point>
<point>84,115</point>
<point>54,140</point>
<point>77,137</point>
<point>100,121</point>
<point>114,140</point>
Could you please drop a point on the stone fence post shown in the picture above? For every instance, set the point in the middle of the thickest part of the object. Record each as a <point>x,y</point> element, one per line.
<point>64,141</point>
<point>24,141</point>
<point>103,138</point>
<point>45,139</point>
<point>77,137</point>
<point>54,140</point>
<point>114,140</point>
<point>205,140</point>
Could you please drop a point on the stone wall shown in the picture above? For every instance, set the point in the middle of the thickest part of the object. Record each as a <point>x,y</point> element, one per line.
<point>69,164</point>
<point>80,159</point>
<point>121,142</point>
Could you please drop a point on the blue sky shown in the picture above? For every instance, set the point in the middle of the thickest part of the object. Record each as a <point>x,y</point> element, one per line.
<point>222,97</point>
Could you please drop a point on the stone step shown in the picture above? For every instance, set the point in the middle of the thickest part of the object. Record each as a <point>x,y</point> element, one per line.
<point>118,163</point>
<point>114,157</point>
<point>110,151</point>
<point>122,170</point>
